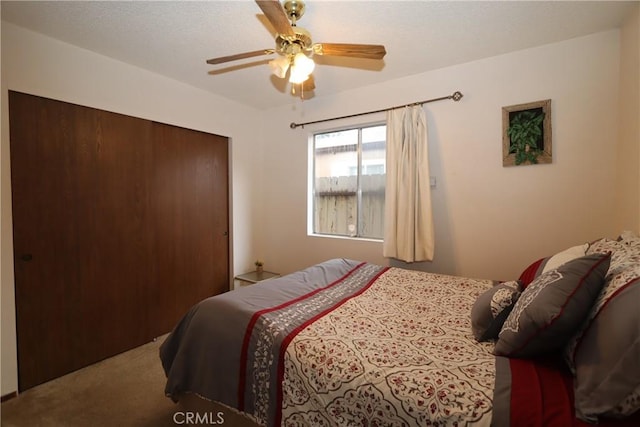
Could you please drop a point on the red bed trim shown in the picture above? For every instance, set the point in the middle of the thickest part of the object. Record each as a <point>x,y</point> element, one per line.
<point>542,395</point>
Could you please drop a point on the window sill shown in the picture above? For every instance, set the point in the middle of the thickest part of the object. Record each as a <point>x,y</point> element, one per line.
<point>331,236</point>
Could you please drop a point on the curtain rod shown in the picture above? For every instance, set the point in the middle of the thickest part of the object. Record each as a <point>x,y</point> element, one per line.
<point>456,96</point>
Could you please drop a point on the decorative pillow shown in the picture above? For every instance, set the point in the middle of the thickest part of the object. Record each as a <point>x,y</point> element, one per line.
<point>607,360</point>
<point>532,272</point>
<point>552,308</point>
<point>604,355</point>
<point>629,238</point>
<point>565,256</point>
<point>491,309</point>
<point>542,265</point>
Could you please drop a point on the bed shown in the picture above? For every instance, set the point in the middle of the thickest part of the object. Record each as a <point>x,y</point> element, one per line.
<point>346,342</point>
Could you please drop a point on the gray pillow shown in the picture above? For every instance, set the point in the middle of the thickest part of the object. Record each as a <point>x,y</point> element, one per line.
<point>491,309</point>
<point>607,360</point>
<point>552,308</point>
<point>605,354</point>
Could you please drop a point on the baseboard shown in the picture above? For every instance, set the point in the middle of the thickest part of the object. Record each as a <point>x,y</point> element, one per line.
<point>9,396</point>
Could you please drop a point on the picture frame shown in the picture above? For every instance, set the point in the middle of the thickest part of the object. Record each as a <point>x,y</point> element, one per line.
<point>526,134</point>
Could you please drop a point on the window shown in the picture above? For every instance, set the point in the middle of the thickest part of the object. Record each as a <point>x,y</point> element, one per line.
<point>348,182</point>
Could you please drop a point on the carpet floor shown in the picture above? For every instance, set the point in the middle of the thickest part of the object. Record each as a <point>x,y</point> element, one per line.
<point>125,390</point>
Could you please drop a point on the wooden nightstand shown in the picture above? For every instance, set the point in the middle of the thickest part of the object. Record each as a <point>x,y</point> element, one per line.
<point>253,277</point>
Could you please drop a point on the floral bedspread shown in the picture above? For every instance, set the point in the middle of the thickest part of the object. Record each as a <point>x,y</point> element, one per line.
<point>382,346</point>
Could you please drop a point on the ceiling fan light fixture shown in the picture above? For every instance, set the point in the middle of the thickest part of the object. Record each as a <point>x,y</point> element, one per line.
<point>303,63</point>
<point>301,68</point>
<point>297,76</point>
<point>279,66</point>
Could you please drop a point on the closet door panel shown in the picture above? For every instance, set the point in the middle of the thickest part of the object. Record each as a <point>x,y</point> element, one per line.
<point>117,223</point>
<point>191,218</point>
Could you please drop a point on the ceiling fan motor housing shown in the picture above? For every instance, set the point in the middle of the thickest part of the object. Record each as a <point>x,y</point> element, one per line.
<point>290,45</point>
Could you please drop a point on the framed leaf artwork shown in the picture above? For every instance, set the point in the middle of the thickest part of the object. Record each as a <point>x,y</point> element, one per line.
<point>526,133</point>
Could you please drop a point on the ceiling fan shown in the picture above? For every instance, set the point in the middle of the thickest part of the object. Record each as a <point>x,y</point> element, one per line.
<point>295,47</point>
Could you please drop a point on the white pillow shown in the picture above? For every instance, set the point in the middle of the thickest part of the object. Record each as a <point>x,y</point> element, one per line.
<point>565,256</point>
<point>629,238</point>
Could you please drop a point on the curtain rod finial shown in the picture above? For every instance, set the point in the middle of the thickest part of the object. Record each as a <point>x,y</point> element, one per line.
<point>293,125</point>
<point>457,96</point>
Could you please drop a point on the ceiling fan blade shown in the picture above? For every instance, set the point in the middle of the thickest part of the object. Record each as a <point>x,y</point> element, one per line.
<point>276,14</point>
<point>237,56</point>
<point>368,51</point>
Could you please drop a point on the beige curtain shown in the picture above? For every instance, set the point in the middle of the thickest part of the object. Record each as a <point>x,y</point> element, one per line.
<point>408,221</point>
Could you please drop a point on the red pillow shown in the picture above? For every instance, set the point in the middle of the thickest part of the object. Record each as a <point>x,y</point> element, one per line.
<point>532,272</point>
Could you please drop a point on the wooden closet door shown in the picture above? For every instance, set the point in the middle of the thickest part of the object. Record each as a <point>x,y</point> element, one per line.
<point>113,219</point>
<point>190,206</point>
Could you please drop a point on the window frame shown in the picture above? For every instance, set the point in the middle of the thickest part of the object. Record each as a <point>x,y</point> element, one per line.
<point>311,199</point>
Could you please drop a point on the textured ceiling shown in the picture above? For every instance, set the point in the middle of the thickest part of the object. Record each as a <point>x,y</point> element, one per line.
<point>174,38</point>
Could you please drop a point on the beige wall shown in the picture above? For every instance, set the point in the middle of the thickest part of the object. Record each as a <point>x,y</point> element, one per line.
<point>628,171</point>
<point>490,220</point>
<point>42,66</point>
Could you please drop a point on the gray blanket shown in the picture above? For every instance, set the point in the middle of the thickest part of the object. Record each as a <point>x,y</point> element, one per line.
<point>203,353</point>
